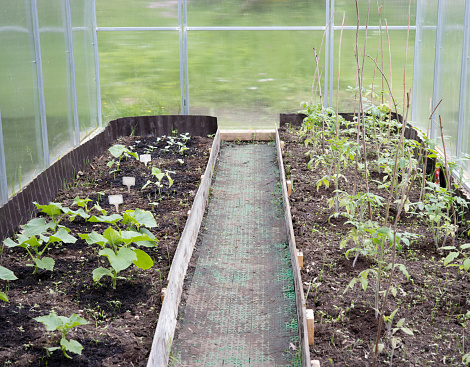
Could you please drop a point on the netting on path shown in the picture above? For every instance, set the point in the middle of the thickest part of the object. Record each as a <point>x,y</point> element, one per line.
<point>240,310</point>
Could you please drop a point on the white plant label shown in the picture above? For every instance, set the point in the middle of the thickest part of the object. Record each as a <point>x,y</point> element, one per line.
<point>145,158</point>
<point>128,181</point>
<point>115,200</point>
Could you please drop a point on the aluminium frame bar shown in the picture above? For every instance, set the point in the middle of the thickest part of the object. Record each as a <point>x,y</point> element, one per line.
<point>97,67</point>
<point>3,169</point>
<point>332,53</point>
<point>71,60</point>
<point>437,64</point>
<point>40,80</point>
<point>327,54</point>
<point>181,55</point>
<point>416,59</point>
<point>463,79</point>
<point>185,57</point>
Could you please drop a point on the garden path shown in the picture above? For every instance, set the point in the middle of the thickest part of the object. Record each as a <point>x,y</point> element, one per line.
<point>240,309</point>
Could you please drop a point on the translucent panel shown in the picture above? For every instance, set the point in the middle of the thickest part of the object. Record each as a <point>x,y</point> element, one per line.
<point>140,73</point>
<point>256,13</point>
<point>395,11</point>
<point>466,113</point>
<point>56,76</point>
<point>137,13</point>
<point>424,73</point>
<point>372,77</point>
<point>18,94</point>
<point>247,78</point>
<point>82,21</point>
<point>448,83</point>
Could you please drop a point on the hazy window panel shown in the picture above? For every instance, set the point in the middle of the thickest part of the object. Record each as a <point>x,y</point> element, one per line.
<point>56,76</point>
<point>137,13</point>
<point>18,95</point>
<point>82,21</point>
<point>140,73</point>
<point>247,78</point>
<point>256,13</point>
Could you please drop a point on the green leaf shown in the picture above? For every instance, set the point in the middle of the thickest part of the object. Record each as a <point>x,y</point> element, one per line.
<point>110,219</point>
<point>394,291</point>
<point>4,297</point>
<point>144,261</point>
<point>400,323</point>
<point>71,345</point>
<point>75,320</point>
<point>113,236</point>
<point>10,243</point>
<point>465,246</point>
<point>7,274</point>
<point>98,273</point>
<point>466,264</point>
<point>364,284</point>
<point>120,261</point>
<point>36,227</point>
<point>407,331</point>
<point>145,218</point>
<point>62,236</point>
<point>46,263</point>
<point>93,238</point>
<point>52,209</point>
<point>451,257</point>
<point>117,150</point>
<point>52,321</point>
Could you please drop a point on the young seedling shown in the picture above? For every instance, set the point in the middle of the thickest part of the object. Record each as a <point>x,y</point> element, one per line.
<point>128,181</point>
<point>116,247</point>
<point>145,158</point>
<point>157,172</point>
<point>115,200</point>
<point>63,324</point>
<point>36,238</point>
<point>119,151</point>
<point>6,274</point>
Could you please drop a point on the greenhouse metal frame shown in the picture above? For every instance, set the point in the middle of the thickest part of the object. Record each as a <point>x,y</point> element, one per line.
<point>436,23</point>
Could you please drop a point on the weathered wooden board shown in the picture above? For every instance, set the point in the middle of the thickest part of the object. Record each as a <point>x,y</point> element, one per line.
<point>247,135</point>
<point>163,338</point>
<point>299,291</point>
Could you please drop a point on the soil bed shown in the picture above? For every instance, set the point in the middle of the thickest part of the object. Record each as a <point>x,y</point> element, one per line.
<point>434,300</point>
<point>122,320</point>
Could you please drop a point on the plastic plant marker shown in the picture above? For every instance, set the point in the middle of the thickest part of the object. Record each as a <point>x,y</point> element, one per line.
<point>115,200</point>
<point>145,158</point>
<point>162,295</point>
<point>128,181</point>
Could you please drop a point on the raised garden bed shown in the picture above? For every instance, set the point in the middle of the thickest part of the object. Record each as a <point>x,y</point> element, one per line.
<point>431,323</point>
<point>122,321</point>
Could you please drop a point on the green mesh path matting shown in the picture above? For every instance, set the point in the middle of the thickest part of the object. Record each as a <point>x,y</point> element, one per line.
<point>241,309</point>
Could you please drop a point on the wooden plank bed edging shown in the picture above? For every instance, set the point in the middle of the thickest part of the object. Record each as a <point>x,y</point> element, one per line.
<point>299,291</point>
<point>163,338</point>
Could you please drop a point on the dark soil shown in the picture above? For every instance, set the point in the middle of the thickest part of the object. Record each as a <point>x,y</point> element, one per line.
<point>122,321</point>
<point>434,301</point>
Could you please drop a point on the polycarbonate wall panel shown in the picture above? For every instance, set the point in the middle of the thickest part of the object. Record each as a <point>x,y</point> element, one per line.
<point>395,11</point>
<point>466,111</point>
<point>82,21</point>
<point>372,77</point>
<point>246,78</point>
<point>424,74</point>
<point>223,13</point>
<point>137,13</point>
<point>448,85</point>
<point>140,73</point>
<point>18,95</point>
<point>56,74</point>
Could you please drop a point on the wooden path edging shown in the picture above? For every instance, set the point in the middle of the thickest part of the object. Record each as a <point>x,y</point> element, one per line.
<point>299,291</point>
<point>164,333</point>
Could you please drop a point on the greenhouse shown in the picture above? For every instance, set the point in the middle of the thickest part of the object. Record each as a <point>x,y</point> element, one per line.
<point>235,183</point>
